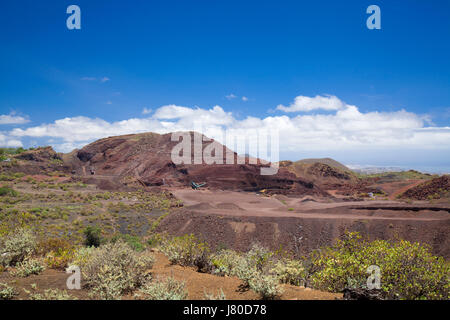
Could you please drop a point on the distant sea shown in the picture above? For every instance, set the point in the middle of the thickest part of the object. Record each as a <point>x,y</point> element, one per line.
<point>387,168</point>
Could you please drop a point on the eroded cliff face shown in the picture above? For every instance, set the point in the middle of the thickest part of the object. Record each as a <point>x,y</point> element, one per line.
<point>301,235</point>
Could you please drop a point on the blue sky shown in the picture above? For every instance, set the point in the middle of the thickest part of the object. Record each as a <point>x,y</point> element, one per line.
<point>199,54</point>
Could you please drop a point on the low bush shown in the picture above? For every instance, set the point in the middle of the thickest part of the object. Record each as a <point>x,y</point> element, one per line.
<point>58,252</point>
<point>8,191</point>
<point>167,289</point>
<point>289,271</point>
<point>28,267</point>
<point>93,236</point>
<point>16,246</point>
<point>114,269</point>
<point>7,292</point>
<point>52,244</point>
<point>259,257</point>
<point>408,270</point>
<point>225,262</point>
<point>51,294</point>
<point>245,271</point>
<point>81,256</point>
<point>59,259</point>
<point>211,296</point>
<point>133,241</point>
<point>254,263</point>
<point>258,269</point>
<point>154,240</point>
<point>267,286</point>
<point>187,250</point>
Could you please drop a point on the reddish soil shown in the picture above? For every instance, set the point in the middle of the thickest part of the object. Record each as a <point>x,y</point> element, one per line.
<point>196,284</point>
<point>394,189</point>
<point>320,173</point>
<point>435,188</point>
<point>354,188</point>
<point>276,220</point>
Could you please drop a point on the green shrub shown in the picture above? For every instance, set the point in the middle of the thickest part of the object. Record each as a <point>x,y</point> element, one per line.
<point>259,257</point>
<point>155,240</point>
<point>81,256</point>
<point>267,286</point>
<point>408,270</point>
<point>52,244</point>
<point>28,267</point>
<point>220,295</point>
<point>254,263</point>
<point>167,289</point>
<point>225,262</point>
<point>58,252</point>
<point>8,191</point>
<point>289,271</point>
<point>93,236</point>
<point>16,246</point>
<point>114,269</point>
<point>187,250</point>
<point>245,271</point>
<point>59,259</point>
<point>133,241</point>
<point>6,292</point>
<point>52,294</point>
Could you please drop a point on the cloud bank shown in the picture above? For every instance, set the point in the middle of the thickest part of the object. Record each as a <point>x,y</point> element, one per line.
<point>12,119</point>
<point>304,104</point>
<point>9,142</point>
<point>344,128</point>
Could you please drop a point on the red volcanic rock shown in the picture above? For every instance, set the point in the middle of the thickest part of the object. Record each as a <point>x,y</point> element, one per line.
<point>146,159</point>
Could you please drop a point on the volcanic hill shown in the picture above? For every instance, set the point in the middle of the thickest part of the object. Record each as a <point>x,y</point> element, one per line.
<point>324,171</point>
<point>145,159</point>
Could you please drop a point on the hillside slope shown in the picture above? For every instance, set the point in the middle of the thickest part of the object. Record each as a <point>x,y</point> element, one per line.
<point>145,159</point>
<point>324,171</point>
<point>436,188</point>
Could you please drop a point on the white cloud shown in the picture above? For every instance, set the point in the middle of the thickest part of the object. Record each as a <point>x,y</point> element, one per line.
<point>83,129</point>
<point>6,141</point>
<point>102,79</point>
<point>146,111</point>
<point>188,116</point>
<point>108,102</point>
<point>244,98</point>
<point>346,129</point>
<point>231,96</point>
<point>12,119</point>
<point>304,104</point>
